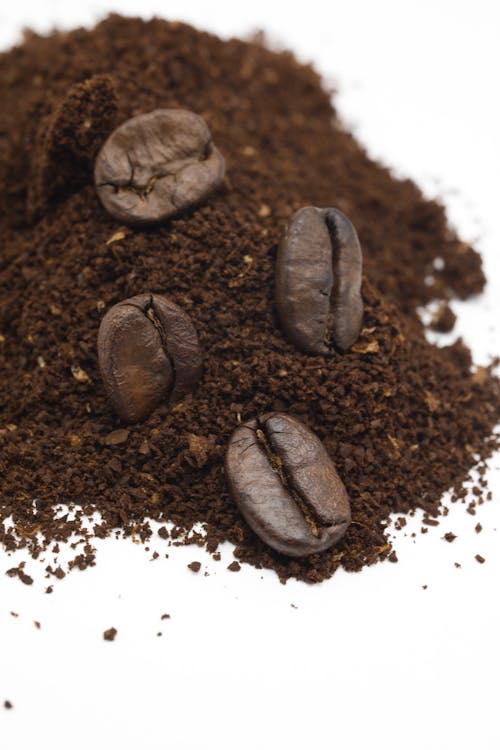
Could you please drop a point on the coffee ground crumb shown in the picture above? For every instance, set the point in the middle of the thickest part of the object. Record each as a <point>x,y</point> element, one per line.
<point>450,536</point>
<point>7,705</point>
<point>165,617</point>
<point>110,634</point>
<point>57,572</point>
<point>444,319</point>
<point>478,528</point>
<point>19,573</point>
<point>480,559</point>
<point>234,566</point>
<point>402,419</point>
<point>194,566</point>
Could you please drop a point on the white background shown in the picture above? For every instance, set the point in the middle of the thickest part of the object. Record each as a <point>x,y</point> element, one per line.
<point>365,660</point>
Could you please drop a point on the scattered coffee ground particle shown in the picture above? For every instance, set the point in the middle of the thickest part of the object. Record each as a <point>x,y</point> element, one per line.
<point>450,536</point>
<point>110,635</point>
<point>37,625</point>
<point>444,319</point>
<point>194,566</point>
<point>159,634</point>
<point>478,528</point>
<point>403,420</point>
<point>8,705</point>
<point>457,565</point>
<point>82,561</point>
<point>424,586</point>
<point>58,572</point>
<point>480,559</point>
<point>49,589</point>
<point>165,617</point>
<point>14,614</point>
<point>234,567</point>
<point>430,522</point>
<point>19,573</point>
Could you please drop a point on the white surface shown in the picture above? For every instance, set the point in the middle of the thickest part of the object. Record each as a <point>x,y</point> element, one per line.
<point>366,660</point>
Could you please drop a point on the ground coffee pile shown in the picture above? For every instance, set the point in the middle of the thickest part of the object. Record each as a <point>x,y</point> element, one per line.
<point>402,419</point>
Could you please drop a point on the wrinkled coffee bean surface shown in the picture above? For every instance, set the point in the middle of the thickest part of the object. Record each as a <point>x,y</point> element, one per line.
<point>148,352</point>
<point>318,281</point>
<point>156,165</point>
<point>286,485</point>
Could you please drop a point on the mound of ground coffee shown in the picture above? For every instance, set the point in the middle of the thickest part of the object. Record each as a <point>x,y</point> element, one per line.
<point>402,419</point>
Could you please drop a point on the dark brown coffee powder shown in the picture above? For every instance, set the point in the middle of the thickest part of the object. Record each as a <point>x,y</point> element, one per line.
<point>110,634</point>
<point>402,419</point>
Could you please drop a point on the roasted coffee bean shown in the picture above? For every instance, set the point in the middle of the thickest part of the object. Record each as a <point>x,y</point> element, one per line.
<point>148,352</point>
<point>286,485</point>
<point>318,281</point>
<point>156,165</point>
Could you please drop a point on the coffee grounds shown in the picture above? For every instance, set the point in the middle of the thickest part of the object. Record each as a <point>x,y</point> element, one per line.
<point>19,573</point>
<point>110,634</point>
<point>403,420</point>
<point>444,319</point>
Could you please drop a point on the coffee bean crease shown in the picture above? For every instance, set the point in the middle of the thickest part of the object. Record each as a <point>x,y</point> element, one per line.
<point>286,485</point>
<point>148,353</point>
<point>318,281</point>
